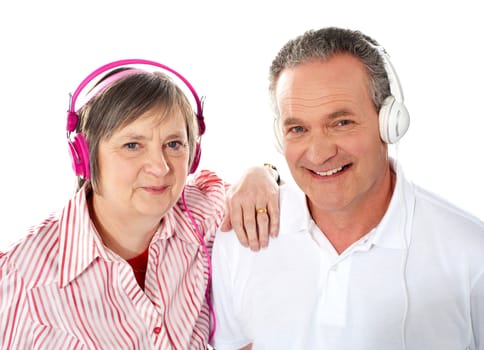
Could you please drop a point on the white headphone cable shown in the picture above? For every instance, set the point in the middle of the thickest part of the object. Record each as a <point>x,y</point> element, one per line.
<point>406,247</point>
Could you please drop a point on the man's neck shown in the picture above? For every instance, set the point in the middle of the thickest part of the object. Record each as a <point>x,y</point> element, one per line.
<point>346,226</point>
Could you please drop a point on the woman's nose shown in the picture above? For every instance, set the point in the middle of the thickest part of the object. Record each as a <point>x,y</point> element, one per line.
<point>156,162</point>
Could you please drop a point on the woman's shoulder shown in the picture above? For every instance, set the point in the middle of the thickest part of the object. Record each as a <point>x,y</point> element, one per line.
<point>38,245</point>
<point>205,187</point>
<point>206,181</point>
<point>204,198</point>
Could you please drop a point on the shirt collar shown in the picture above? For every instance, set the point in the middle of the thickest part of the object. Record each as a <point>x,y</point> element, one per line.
<point>294,211</point>
<point>393,230</point>
<point>177,223</point>
<point>79,243</point>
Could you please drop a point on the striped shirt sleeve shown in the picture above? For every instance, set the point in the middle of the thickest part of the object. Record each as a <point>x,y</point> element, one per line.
<point>15,333</point>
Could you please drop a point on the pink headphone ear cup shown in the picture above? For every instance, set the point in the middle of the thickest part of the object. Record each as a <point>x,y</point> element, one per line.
<point>196,158</point>
<point>79,152</point>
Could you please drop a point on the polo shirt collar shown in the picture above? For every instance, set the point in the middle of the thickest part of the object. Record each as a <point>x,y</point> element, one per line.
<point>294,211</point>
<point>393,230</point>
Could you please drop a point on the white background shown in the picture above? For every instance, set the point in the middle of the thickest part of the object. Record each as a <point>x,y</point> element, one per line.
<point>225,48</point>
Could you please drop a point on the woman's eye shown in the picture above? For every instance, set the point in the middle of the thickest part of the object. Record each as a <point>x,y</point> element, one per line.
<point>176,147</point>
<point>131,145</point>
<point>174,144</point>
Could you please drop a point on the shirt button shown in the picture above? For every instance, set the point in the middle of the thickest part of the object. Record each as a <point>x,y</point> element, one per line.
<point>157,330</point>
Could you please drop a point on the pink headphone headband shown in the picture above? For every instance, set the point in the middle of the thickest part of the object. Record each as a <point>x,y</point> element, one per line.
<point>107,82</point>
<point>78,146</point>
<point>120,63</point>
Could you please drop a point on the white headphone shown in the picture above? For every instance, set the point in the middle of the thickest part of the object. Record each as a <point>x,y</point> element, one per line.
<point>393,116</point>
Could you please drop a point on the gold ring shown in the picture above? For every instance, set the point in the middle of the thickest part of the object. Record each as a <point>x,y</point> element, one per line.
<point>261,210</point>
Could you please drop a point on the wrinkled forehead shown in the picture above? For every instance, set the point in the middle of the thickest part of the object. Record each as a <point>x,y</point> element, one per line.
<point>158,115</point>
<point>313,82</point>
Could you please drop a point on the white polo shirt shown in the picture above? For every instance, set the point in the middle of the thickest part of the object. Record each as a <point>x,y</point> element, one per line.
<point>377,295</point>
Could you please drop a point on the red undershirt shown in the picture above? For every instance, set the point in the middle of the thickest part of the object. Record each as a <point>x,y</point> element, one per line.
<point>139,264</point>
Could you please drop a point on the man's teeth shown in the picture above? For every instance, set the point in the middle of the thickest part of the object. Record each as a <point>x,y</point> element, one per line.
<point>329,172</point>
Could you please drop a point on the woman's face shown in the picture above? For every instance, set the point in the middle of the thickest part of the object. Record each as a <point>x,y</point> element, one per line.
<point>142,168</point>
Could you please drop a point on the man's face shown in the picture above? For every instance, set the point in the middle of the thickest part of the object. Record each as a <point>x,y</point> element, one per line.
<point>330,133</point>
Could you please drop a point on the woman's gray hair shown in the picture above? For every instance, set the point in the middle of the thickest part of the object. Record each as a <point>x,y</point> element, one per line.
<point>126,100</point>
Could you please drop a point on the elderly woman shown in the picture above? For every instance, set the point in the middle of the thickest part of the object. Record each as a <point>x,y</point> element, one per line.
<point>126,263</point>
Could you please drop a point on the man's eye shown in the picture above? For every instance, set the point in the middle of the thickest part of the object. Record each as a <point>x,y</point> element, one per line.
<point>296,129</point>
<point>344,122</point>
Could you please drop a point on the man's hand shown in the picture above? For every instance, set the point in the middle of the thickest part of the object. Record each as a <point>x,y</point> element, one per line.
<point>252,207</point>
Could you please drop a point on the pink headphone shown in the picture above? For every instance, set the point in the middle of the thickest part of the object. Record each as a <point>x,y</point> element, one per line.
<point>78,147</point>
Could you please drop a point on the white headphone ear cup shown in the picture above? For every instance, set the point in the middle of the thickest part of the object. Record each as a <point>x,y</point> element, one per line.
<point>278,135</point>
<point>394,120</point>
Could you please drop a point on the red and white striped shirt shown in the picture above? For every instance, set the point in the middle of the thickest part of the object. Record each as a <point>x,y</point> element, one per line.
<point>61,288</point>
